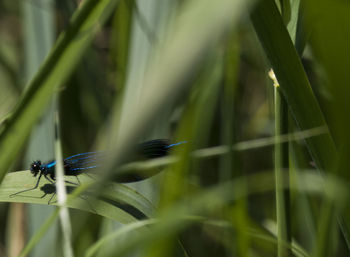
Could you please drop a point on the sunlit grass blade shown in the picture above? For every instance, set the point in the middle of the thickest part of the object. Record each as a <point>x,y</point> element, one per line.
<point>64,216</point>
<point>281,161</point>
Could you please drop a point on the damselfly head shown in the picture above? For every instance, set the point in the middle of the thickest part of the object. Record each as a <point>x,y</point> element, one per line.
<point>35,167</point>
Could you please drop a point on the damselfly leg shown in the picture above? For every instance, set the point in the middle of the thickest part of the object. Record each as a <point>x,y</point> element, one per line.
<point>30,189</point>
<point>36,185</point>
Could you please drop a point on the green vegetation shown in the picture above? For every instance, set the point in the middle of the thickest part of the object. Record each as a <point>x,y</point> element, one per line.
<point>258,89</point>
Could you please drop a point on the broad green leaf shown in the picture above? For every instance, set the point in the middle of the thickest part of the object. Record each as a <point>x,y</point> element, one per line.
<point>117,202</point>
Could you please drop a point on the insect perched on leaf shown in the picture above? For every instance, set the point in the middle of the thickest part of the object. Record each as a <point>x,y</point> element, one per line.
<point>84,163</point>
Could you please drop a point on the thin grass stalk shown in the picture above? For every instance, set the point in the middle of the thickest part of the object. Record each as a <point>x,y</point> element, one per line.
<point>326,235</point>
<point>282,177</point>
<point>16,231</point>
<point>305,217</point>
<point>210,152</point>
<point>229,165</point>
<point>227,162</point>
<point>62,196</point>
<point>120,45</point>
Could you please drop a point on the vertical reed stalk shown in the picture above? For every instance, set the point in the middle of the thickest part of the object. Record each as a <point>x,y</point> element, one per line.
<point>282,177</point>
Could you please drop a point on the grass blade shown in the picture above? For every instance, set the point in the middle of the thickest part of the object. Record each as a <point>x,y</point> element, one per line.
<point>293,82</point>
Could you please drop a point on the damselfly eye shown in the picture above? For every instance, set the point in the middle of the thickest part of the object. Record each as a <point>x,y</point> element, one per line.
<point>35,167</point>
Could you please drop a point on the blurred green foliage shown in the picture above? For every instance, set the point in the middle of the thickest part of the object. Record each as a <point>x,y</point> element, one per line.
<point>130,70</point>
